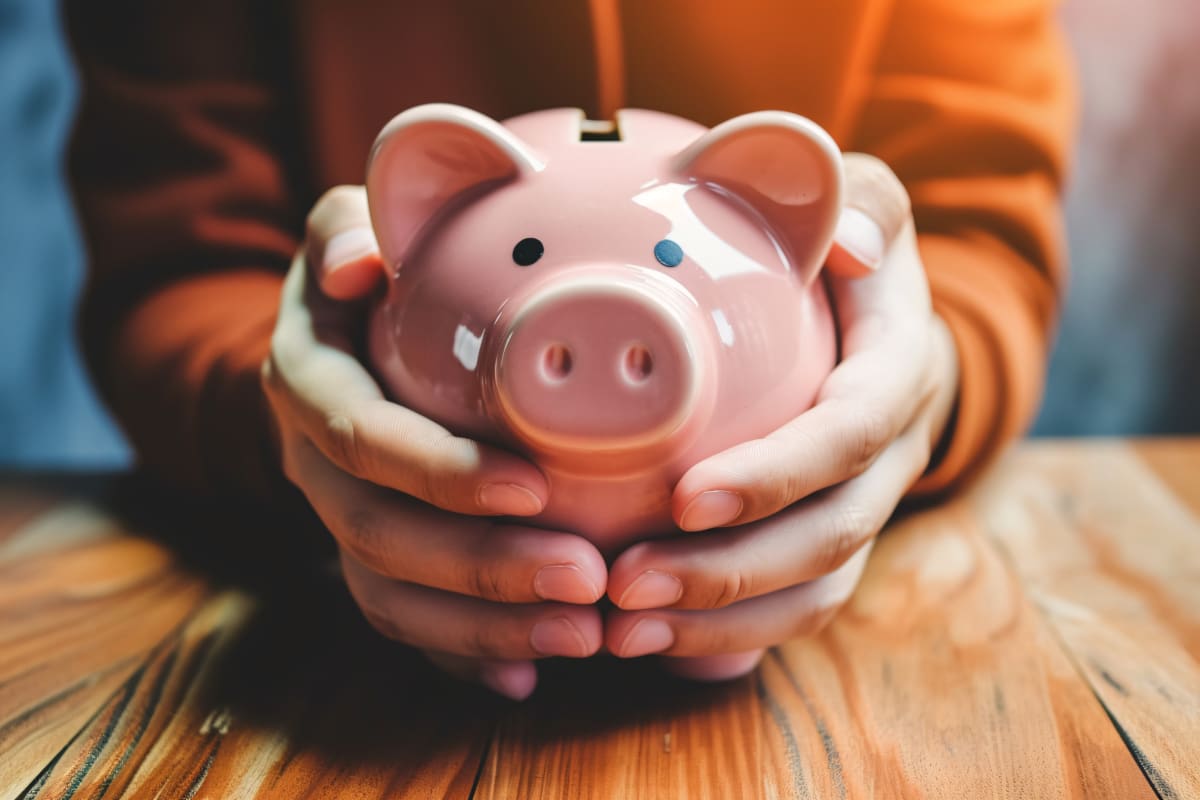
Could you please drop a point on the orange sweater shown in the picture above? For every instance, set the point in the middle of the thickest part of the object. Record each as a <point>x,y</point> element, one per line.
<point>208,129</point>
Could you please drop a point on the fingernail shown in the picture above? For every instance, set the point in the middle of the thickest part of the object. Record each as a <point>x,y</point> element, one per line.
<point>508,498</point>
<point>347,246</point>
<point>565,583</point>
<point>558,637</point>
<point>513,679</point>
<point>646,637</point>
<point>651,589</point>
<point>861,237</point>
<point>711,509</point>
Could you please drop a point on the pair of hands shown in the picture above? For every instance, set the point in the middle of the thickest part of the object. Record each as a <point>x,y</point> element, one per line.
<point>791,517</point>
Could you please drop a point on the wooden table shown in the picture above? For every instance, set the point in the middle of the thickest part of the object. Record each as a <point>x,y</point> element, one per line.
<point>1038,637</point>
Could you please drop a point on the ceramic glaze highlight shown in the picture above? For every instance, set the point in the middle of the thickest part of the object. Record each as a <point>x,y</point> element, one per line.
<point>617,310</point>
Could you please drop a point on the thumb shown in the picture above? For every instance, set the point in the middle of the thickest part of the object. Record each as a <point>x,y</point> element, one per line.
<point>341,246</point>
<point>876,209</point>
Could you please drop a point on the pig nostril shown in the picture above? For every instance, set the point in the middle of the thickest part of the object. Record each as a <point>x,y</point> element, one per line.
<point>556,362</point>
<point>637,364</point>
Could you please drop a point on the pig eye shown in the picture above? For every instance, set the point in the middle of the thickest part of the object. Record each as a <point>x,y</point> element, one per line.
<point>528,251</point>
<point>668,253</point>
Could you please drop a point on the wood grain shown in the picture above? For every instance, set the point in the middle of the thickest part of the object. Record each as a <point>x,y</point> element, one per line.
<point>80,608</point>
<point>1038,637</point>
<point>612,729</point>
<point>1176,466</point>
<point>298,699</point>
<point>939,680</point>
<point>1111,555</point>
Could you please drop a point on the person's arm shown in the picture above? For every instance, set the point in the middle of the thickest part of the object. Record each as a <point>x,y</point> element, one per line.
<point>972,106</point>
<point>190,213</point>
<point>189,216</point>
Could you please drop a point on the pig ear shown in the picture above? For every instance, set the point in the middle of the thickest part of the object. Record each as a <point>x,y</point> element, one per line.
<point>428,156</point>
<point>786,168</point>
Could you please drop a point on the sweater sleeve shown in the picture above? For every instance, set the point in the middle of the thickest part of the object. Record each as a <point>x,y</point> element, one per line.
<point>972,106</point>
<point>178,164</point>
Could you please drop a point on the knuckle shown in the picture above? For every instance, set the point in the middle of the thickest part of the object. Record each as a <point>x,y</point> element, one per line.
<point>436,488</point>
<point>432,486</point>
<point>826,606</point>
<point>780,471</point>
<point>334,201</point>
<point>343,442</point>
<point>850,525</point>
<point>792,487</point>
<point>440,481</point>
<point>486,580</point>
<point>734,586</point>
<point>866,434</point>
<point>486,641</point>
<point>793,478</point>
<point>816,619</point>
<point>364,535</point>
<point>712,639</point>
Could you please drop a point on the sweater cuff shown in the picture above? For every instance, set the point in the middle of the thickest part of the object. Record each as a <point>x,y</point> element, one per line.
<point>1000,328</point>
<point>182,375</point>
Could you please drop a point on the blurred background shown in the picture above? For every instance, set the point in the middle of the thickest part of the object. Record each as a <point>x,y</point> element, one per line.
<point>1128,354</point>
<point>49,415</point>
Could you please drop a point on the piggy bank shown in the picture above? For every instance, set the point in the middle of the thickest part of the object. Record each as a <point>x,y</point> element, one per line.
<point>616,301</point>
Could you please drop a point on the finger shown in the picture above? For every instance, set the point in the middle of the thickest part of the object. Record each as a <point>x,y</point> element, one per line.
<point>723,667</point>
<point>876,209</point>
<point>758,623</point>
<point>430,619</point>
<point>893,302</point>
<point>343,253</point>
<point>515,680</point>
<point>799,544</point>
<point>883,381</point>
<point>410,541</point>
<point>323,387</point>
<point>868,400</point>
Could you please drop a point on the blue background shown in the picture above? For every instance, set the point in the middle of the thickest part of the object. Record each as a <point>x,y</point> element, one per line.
<point>48,414</point>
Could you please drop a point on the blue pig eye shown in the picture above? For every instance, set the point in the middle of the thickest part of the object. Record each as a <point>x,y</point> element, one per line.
<point>668,253</point>
<point>528,251</point>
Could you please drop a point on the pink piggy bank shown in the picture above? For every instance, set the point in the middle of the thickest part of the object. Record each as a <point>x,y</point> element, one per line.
<point>617,303</point>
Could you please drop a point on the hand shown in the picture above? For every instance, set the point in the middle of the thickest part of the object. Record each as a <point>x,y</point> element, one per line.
<point>405,499</point>
<point>798,510</point>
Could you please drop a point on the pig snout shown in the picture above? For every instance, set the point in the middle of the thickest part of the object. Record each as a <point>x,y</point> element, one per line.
<point>601,363</point>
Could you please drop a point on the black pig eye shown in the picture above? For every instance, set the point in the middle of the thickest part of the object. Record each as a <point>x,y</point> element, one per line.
<point>528,251</point>
<point>668,253</point>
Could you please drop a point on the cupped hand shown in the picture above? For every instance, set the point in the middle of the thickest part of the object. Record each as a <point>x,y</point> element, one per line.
<point>790,518</point>
<point>412,506</point>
